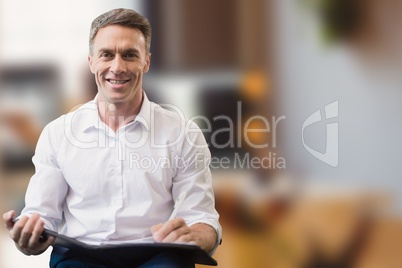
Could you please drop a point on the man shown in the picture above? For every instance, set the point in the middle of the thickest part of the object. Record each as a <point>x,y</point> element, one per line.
<point>110,171</point>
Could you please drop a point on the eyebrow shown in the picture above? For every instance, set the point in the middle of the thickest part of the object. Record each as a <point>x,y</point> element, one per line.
<point>129,50</point>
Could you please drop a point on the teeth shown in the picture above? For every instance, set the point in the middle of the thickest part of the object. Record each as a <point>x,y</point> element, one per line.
<point>117,81</point>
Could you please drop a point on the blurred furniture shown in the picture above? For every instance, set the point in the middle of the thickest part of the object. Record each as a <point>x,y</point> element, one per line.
<point>30,97</point>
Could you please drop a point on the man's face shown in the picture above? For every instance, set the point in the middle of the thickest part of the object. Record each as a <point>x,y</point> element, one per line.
<point>118,61</point>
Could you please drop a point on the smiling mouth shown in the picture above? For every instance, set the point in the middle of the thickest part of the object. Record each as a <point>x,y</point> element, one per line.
<point>117,82</point>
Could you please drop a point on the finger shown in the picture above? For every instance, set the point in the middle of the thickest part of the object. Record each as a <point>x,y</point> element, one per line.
<point>36,244</point>
<point>180,234</point>
<point>8,219</point>
<point>15,232</point>
<point>156,227</point>
<point>187,238</point>
<point>36,234</point>
<point>167,228</point>
<point>172,230</point>
<point>26,232</point>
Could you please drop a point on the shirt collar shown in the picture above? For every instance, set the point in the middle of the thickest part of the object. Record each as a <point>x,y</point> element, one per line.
<point>144,116</point>
<point>91,118</point>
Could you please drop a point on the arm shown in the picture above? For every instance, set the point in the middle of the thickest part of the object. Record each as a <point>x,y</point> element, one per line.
<point>26,233</point>
<point>197,220</point>
<point>47,188</point>
<point>43,201</point>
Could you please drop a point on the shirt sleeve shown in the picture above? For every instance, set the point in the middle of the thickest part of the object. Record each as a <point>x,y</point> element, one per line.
<point>47,188</point>
<point>194,176</point>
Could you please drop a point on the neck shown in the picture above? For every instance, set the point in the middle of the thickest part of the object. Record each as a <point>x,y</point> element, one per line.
<point>117,115</point>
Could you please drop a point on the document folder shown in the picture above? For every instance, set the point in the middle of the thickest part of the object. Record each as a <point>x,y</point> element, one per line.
<point>124,251</point>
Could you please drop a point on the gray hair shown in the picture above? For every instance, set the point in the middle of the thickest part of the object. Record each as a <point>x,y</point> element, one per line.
<point>124,17</point>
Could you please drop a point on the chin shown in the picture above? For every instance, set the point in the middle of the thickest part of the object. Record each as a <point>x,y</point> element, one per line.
<point>116,96</point>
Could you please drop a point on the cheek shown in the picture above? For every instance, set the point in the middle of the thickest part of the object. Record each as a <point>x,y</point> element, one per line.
<point>99,68</point>
<point>138,67</point>
<point>98,72</point>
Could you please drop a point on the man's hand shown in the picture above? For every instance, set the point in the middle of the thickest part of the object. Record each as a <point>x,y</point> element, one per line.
<point>26,233</point>
<point>177,231</point>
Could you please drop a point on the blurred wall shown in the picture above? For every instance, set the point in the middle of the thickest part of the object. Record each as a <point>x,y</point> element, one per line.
<point>363,73</point>
<point>47,31</point>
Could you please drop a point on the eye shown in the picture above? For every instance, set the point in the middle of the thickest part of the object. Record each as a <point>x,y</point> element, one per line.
<point>130,56</point>
<point>106,55</point>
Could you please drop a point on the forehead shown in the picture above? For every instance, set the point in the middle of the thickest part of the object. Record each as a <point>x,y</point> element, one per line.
<point>119,37</point>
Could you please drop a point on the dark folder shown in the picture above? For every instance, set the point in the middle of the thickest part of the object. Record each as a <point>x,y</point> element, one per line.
<point>143,250</point>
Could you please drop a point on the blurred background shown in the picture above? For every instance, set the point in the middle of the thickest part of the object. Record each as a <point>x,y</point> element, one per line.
<point>285,85</point>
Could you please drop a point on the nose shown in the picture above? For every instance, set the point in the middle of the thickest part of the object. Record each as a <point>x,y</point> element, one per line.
<point>117,65</point>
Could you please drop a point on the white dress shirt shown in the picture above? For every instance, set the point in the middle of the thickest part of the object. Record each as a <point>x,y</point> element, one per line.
<point>105,187</point>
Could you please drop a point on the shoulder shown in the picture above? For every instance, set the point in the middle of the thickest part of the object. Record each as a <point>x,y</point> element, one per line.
<point>167,112</point>
<point>78,119</point>
<point>166,118</point>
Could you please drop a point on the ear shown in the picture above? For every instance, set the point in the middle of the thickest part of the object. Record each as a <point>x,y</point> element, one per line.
<point>147,63</point>
<point>90,64</point>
